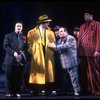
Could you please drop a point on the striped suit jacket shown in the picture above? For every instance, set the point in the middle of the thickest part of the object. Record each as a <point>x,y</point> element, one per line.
<point>89,39</point>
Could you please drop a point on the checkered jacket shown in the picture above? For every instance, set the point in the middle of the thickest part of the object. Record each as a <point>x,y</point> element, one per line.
<point>68,52</point>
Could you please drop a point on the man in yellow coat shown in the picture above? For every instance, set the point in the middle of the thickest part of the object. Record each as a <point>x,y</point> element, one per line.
<point>42,58</point>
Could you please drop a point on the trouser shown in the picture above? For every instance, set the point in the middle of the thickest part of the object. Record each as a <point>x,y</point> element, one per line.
<point>74,78</point>
<point>13,79</point>
<point>89,75</point>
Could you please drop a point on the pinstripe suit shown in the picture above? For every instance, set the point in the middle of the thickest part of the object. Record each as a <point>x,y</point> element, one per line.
<point>88,44</point>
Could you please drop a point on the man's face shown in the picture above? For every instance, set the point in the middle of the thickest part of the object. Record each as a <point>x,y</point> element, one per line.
<point>76,33</point>
<point>46,25</point>
<point>87,16</point>
<point>18,28</point>
<point>57,33</point>
<point>62,33</point>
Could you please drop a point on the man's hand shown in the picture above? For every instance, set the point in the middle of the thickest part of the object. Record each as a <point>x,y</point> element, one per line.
<point>52,45</point>
<point>96,53</point>
<point>18,57</point>
<point>16,54</point>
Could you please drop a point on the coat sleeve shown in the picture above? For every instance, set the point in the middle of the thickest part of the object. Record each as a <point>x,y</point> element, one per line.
<point>29,42</point>
<point>6,45</point>
<point>69,43</point>
<point>98,37</point>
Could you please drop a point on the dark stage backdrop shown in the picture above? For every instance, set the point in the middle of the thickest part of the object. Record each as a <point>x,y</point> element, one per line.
<point>63,13</point>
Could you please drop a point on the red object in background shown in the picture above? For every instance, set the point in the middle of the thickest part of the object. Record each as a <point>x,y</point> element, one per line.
<point>24,38</point>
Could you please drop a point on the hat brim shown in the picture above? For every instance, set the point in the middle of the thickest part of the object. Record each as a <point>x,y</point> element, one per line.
<point>44,21</point>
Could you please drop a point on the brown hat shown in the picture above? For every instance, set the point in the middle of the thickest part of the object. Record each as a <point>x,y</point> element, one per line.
<point>43,19</point>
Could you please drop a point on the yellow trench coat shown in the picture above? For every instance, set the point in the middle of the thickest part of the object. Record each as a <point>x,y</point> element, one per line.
<point>42,68</point>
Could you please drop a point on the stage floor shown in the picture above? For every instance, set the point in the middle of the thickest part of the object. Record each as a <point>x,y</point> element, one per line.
<point>55,97</point>
<point>29,96</point>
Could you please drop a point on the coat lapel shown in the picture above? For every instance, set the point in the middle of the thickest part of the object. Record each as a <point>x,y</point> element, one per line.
<point>15,38</point>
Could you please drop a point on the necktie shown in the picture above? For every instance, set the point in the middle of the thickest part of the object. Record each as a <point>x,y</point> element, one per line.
<point>19,38</point>
<point>43,37</point>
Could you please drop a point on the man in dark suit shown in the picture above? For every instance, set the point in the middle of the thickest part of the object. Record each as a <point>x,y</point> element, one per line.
<point>14,45</point>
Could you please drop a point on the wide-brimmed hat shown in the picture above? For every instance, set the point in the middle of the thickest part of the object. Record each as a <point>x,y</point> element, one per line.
<point>43,19</point>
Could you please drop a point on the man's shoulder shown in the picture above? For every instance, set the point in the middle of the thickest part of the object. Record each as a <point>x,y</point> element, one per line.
<point>50,30</point>
<point>70,36</point>
<point>82,24</point>
<point>98,22</point>
<point>9,34</point>
<point>33,29</point>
